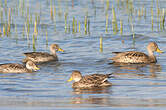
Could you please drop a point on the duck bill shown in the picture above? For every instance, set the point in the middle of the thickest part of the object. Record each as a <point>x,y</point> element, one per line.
<point>70,79</point>
<point>61,50</point>
<point>158,50</point>
<point>36,68</point>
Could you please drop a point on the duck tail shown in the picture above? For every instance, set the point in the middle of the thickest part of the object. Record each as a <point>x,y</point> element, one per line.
<point>116,52</point>
<point>110,75</point>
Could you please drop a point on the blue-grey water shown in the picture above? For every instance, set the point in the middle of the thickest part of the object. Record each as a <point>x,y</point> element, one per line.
<point>134,86</point>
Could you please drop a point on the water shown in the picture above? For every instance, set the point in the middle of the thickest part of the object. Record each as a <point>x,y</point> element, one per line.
<point>134,86</point>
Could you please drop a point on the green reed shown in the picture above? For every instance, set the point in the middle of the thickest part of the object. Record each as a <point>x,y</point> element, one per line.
<point>85,24</point>
<point>9,21</point>
<point>142,11</point>
<point>38,19</point>
<point>145,13</point>
<point>66,22</point>
<point>0,32</point>
<point>4,29</point>
<point>51,10</point>
<point>31,21</point>
<point>88,26</point>
<point>11,16</point>
<point>152,18</point>
<point>158,17</point>
<point>73,25</point>
<point>101,44</point>
<point>163,19</point>
<point>121,27</point>
<point>59,7</point>
<point>79,27</point>
<point>5,3</point>
<point>54,18</point>
<point>107,6</point>
<point>69,28</point>
<point>1,4</point>
<point>54,11</point>
<point>28,25</point>
<point>16,9</point>
<point>33,42</point>
<point>114,21</point>
<point>35,28</point>
<point>76,25</point>
<point>139,13</point>
<point>6,12</point>
<point>1,16</point>
<point>22,7</point>
<point>106,23</point>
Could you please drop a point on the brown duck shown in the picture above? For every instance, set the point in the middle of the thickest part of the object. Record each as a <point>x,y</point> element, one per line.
<point>18,68</point>
<point>41,57</point>
<point>137,57</point>
<point>89,81</point>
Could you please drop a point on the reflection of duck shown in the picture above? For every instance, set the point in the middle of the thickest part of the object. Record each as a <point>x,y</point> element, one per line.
<point>137,57</point>
<point>91,100</point>
<point>140,70</point>
<point>89,81</point>
<point>18,68</point>
<point>40,57</point>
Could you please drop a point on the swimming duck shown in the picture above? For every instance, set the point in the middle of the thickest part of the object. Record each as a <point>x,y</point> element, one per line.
<point>18,68</point>
<point>41,57</point>
<point>137,57</point>
<point>89,81</point>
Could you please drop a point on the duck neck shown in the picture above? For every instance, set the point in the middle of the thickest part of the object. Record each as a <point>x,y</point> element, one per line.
<point>152,57</point>
<point>28,68</point>
<point>53,52</point>
<point>77,79</point>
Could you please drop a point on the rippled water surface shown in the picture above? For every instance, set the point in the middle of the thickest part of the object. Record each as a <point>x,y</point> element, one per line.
<point>134,86</point>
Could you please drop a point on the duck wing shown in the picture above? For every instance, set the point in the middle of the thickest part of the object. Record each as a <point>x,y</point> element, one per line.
<point>39,57</point>
<point>37,54</point>
<point>94,80</point>
<point>131,57</point>
<point>12,68</point>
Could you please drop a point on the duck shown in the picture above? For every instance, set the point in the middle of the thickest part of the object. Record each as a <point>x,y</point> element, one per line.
<point>41,57</point>
<point>89,81</point>
<point>135,57</point>
<point>18,68</point>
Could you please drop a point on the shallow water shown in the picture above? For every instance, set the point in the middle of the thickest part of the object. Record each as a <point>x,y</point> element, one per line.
<point>134,86</point>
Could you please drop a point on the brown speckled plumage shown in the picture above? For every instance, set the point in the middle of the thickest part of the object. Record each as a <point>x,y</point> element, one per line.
<point>137,57</point>
<point>18,68</point>
<point>89,81</point>
<point>40,57</point>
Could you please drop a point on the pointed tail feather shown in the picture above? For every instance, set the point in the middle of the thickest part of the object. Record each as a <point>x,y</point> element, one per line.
<point>110,75</point>
<point>116,52</point>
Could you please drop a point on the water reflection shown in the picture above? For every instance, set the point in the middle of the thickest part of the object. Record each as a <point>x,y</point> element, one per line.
<point>103,90</point>
<point>100,99</point>
<point>137,69</point>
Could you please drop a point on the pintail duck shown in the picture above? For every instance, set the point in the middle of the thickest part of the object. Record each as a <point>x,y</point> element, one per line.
<point>89,81</point>
<point>41,57</point>
<point>137,57</point>
<point>18,68</point>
